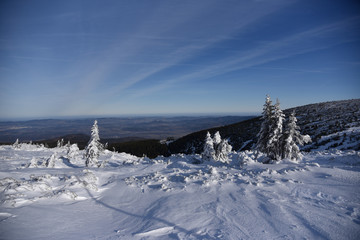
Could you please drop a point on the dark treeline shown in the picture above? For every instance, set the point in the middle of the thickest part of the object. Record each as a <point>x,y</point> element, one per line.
<point>150,148</point>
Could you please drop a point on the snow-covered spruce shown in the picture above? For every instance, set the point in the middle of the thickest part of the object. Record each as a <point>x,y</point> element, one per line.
<point>209,152</point>
<point>263,144</point>
<point>222,151</point>
<point>275,137</point>
<point>94,148</point>
<point>216,149</point>
<point>217,138</point>
<point>292,138</point>
<point>276,143</point>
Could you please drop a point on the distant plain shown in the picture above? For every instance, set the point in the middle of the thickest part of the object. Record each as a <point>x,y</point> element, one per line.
<point>120,127</point>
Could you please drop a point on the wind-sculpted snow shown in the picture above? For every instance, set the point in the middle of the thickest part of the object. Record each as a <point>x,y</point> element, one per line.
<point>177,197</point>
<point>19,192</point>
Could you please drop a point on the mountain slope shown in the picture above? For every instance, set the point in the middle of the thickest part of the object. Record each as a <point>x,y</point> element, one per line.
<point>330,124</point>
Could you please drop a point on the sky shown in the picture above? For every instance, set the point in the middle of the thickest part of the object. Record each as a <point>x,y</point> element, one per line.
<point>138,57</point>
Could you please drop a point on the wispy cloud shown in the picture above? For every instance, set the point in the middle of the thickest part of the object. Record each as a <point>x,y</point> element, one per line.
<point>311,40</point>
<point>43,59</point>
<point>166,37</point>
<point>288,69</point>
<point>111,53</point>
<point>186,45</point>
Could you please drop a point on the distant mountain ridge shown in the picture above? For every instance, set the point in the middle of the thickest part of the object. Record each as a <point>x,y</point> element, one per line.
<point>334,124</point>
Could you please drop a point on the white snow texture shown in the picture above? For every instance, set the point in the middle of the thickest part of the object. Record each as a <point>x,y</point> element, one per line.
<point>51,194</point>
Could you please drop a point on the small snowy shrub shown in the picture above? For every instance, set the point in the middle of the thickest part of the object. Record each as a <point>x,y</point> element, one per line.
<point>213,171</point>
<point>50,162</point>
<point>60,143</point>
<point>73,151</point>
<point>247,157</point>
<point>16,144</point>
<point>33,163</point>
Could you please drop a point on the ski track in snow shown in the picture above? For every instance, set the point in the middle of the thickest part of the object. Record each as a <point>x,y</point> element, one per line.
<point>171,198</point>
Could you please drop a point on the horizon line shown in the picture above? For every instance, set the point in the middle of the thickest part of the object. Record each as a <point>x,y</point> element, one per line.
<point>144,115</point>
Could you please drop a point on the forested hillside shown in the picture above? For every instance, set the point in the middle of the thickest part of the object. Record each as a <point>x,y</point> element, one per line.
<point>330,124</point>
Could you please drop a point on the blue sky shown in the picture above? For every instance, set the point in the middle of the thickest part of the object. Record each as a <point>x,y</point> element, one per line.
<point>72,58</point>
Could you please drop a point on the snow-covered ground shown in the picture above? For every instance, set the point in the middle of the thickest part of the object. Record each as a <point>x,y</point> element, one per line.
<point>46,194</point>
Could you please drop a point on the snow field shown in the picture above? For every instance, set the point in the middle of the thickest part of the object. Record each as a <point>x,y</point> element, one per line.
<point>172,198</point>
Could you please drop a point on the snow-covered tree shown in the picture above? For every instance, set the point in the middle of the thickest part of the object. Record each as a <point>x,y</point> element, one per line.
<point>33,163</point>
<point>94,147</point>
<point>222,151</point>
<point>217,138</point>
<point>209,151</point>
<point>50,162</point>
<point>262,144</point>
<point>72,151</point>
<point>16,144</point>
<point>60,143</point>
<point>293,138</point>
<point>275,136</point>
<point>215,148</point>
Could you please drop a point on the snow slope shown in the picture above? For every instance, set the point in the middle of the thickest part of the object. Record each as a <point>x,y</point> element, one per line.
<point>172,198</point>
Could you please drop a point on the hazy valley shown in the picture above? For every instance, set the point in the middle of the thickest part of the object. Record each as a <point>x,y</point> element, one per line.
<point>115,128</point>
